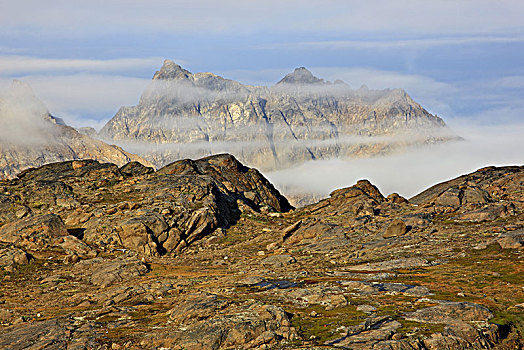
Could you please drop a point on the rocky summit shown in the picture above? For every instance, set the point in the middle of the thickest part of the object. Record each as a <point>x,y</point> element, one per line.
<point>301,118</point>
<point>30,136</point>
<point>206,254</point>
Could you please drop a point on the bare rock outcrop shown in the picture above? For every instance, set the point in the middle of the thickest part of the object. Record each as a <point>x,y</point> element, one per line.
<point>151,213</point>
<point>199,255</point>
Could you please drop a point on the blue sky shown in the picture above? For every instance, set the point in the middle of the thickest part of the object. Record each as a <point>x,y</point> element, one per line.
<point>462,60</point>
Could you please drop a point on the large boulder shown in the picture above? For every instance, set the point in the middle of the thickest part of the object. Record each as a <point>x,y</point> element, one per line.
<point>11,258</point>
<point>247,184</point>
<point>35,232</point>
<point>103,272</point>
<point>450,311</point>
<point>144,234</point>
<point>396,228</point>
<point>512,240</point>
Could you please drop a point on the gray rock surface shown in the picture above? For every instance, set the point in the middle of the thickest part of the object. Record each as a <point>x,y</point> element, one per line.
<point>103,273</point>
<point>512,240</point>
<point>11,258</point>
<point>407,263</point>
<point>448,311</point>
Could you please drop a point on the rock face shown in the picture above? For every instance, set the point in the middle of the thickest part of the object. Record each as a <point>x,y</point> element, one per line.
<point>301,118</point>
<point>487,194</point>
<point>206,254</point>
<point>35,231</point>
<point>447,312</point>
<point>151,213</point>
<point>31,137</point>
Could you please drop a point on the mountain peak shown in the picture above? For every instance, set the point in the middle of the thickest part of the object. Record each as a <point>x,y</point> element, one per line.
<point>301,76</point>
<point>171,71</point>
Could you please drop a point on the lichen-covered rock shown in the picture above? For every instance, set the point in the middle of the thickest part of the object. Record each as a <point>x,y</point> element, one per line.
<point>489,212</point>
<point>371,331</point>
<point>135,168</point>
<point>512,240</point>
<point>35,232</point>
<point>196,307</point>
<point>407,263</point>
<point>229,173</point>
<point>216,326</point>
<point>103,272</point>
<point>73,245</point>
<point>48,334</point>
<point>448,311</point>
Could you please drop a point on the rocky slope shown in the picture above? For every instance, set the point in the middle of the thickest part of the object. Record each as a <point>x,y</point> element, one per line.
<point>31,137</point>
<point>302,117</point>
<point>206,254</point>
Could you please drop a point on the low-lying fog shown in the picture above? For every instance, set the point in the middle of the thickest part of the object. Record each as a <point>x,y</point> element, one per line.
<point>413,171</point>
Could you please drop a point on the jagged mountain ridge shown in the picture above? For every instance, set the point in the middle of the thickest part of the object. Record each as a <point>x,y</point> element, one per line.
<point>31,136</point>
<point>301,118</point>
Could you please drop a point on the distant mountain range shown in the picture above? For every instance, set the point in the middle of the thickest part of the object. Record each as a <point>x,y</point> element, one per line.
<point>185,115</point>
<point>30,136</point>
<point>301,118</point>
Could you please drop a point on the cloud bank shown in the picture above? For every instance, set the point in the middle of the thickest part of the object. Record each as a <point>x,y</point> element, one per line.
<point>22,117</point>
<point>24,65</point>
<point>66,18</point>
<point>411,172</point>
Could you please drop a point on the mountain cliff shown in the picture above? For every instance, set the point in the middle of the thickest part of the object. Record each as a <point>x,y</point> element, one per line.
<point>301,118</point>
<point>31,137</point>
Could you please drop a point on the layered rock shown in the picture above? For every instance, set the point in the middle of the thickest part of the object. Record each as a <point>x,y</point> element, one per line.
<point>31,137</point>
<point>301,118</point>
<point>486,194</point>
<point>150,213</point>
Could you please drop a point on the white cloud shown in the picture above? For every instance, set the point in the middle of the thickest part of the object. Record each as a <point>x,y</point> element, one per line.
<point>85,99</point>
<point>440,16</point>
<point>411,172</point>
<point>22,117</point>
<point>507,82</point>
<point>416,44</point>
<point>6,50</point>
<point>430,93</point>
<point>22,65</point>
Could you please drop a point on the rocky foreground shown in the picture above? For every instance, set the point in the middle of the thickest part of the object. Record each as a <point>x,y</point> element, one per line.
<point>207,254</point>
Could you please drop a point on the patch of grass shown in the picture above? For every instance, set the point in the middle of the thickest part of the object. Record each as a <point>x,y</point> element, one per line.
<point>323,327</point>
<point>512,316</point>
<point>107,318</point>
<point>37,205</point>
